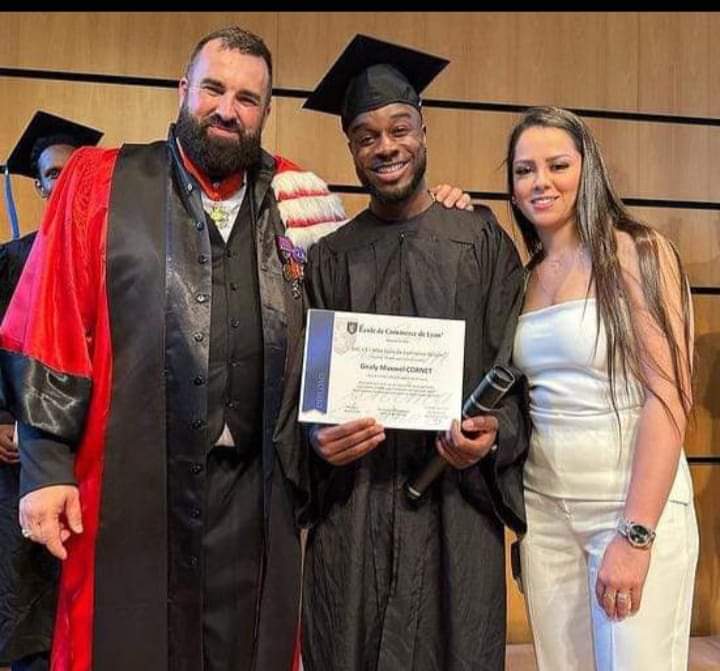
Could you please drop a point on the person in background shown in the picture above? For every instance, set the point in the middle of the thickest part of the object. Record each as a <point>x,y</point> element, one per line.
<point>606,341</point>
<point>27,605</point>
<point>41,153</point>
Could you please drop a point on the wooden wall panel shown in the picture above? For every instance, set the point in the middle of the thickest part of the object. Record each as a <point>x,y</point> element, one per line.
<point>676,162</point>
<point>577,59</point>
<point>656,62</point>
<point>125,113</point>
<point>300,66</point>
<point>488,52</point>
<point>661,62</point>
<point>706,609</point>
<point>314,140</point>
<point>679,63</point>
<point>659,160</point>
<point>646,160</point>
<point>703,436</point>
<point>696,233</point>
<point>150,44</point>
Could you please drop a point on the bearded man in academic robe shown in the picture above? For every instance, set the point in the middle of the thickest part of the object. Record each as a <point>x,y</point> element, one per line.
<point>144,354</point>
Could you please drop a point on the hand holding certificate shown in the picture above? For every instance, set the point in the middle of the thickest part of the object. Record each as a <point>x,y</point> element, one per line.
<point>343,443</point>
<point>405,372</point>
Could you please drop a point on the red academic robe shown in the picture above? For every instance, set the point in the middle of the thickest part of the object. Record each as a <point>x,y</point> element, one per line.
<point>59,321</point>
<point>85,351</point>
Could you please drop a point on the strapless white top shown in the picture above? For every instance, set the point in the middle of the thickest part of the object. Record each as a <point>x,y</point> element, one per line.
<point>578,449</point>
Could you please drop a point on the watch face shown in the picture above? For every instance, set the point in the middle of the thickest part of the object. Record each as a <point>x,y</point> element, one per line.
<point>638,534</point>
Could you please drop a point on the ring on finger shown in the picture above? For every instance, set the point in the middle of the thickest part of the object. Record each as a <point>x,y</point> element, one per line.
<point>609,596</point>
<point>624,598</point>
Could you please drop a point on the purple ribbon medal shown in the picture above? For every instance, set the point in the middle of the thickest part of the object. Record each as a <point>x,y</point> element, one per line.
<point>293,259</point>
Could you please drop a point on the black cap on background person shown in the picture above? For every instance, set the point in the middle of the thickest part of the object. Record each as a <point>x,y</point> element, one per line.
<point>41,153</point>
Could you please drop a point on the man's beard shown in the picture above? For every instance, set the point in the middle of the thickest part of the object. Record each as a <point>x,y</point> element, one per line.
<point>216,157</point>
<point>392,195</point>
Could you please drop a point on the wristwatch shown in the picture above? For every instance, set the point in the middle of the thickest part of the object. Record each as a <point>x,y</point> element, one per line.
<point>638,535</point>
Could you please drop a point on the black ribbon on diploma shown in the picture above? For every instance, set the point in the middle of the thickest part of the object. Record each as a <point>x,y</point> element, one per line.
<point>496,383</point>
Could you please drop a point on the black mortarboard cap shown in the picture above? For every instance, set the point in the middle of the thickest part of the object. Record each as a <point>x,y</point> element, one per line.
<point>22,160</point>
<point>370,74</point>
<point>43,125</point>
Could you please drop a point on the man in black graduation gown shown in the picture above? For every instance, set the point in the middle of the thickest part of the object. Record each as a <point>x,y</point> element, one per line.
<point>389,585</point>
<point>27,606</point>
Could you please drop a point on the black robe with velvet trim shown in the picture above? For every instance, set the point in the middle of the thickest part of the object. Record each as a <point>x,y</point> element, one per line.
<point>388,586</point>
<point>121,261</point>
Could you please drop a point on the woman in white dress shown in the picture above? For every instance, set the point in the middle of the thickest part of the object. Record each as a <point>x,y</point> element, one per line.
<point>606,341</point>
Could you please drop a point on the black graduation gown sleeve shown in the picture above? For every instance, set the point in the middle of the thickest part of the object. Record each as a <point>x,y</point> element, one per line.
<point>500,473</point>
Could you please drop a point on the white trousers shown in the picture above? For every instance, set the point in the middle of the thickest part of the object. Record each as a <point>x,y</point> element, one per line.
<point>560,559</point>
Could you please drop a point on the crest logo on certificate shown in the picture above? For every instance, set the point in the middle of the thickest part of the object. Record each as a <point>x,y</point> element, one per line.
<point>406,372</point>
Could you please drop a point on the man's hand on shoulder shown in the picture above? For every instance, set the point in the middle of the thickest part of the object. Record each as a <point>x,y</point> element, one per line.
<point>50,515</point>
<point>452,197</point>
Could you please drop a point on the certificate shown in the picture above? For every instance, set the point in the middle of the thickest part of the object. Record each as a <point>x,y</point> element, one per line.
<point>406,372</point>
